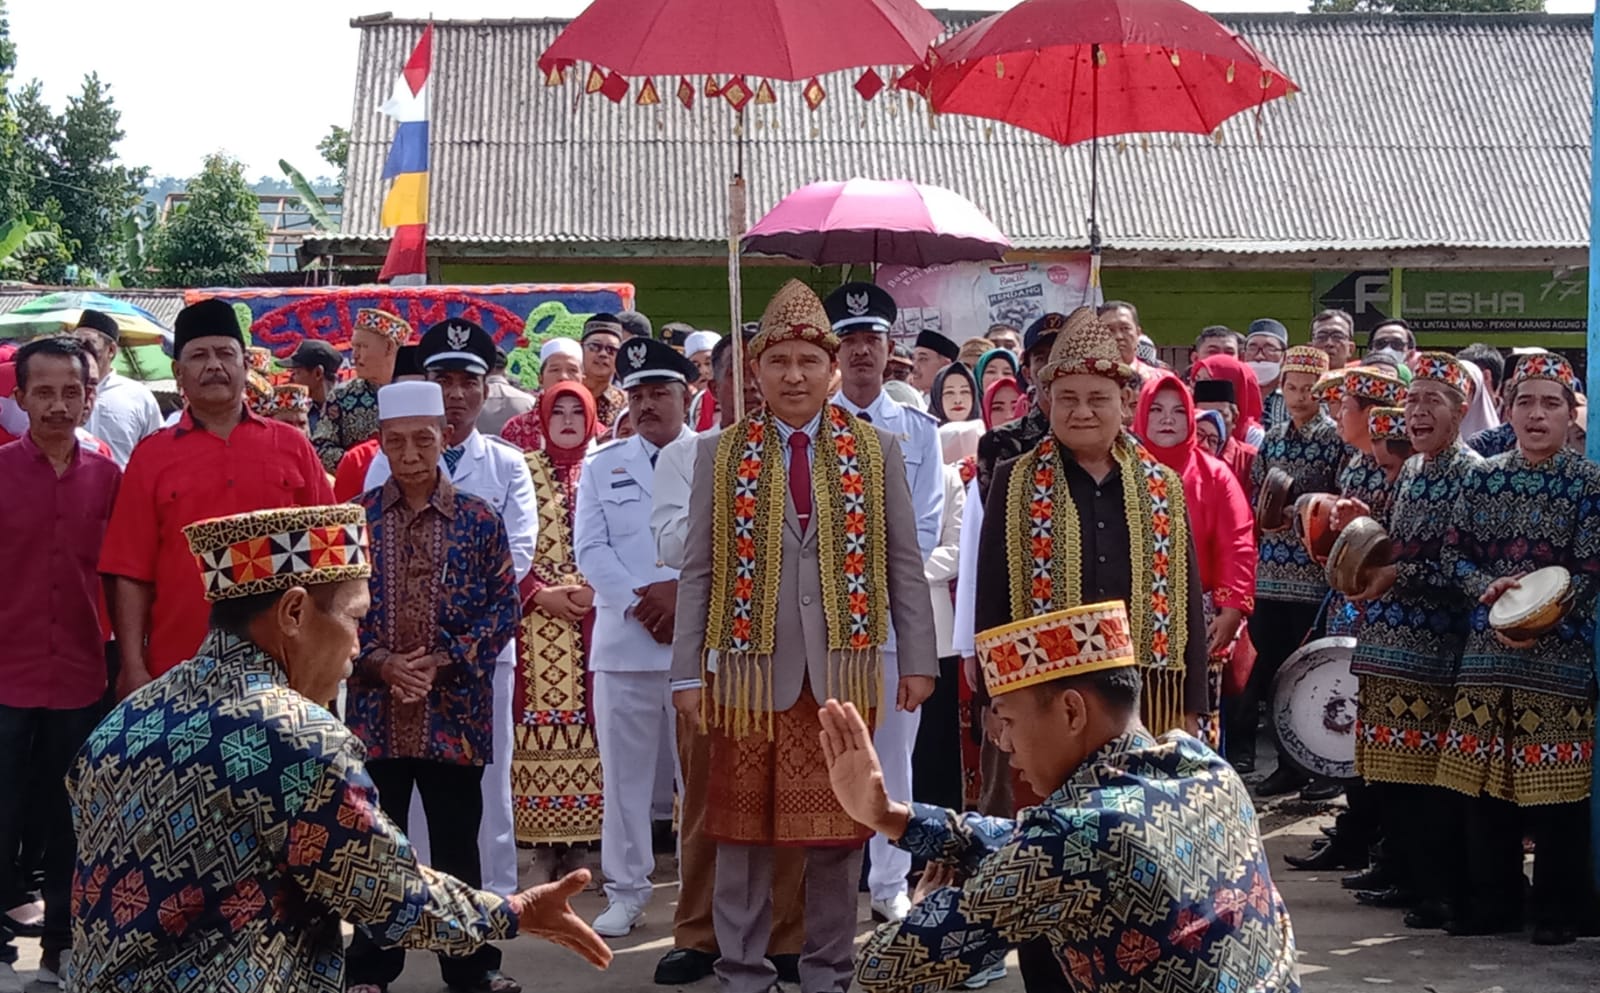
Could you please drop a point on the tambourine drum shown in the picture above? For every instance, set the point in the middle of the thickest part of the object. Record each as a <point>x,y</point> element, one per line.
<point>1314,709</point>
<point>1363,545</point>
<point>1534,606</point>
<point>1272,500</point>
<point>1313,524</point>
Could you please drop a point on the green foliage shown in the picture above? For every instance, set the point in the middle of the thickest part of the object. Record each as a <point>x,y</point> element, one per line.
<point>1426,6</point>
<point>215,237</point>
<point>310,202</point>
<point>335,150</point>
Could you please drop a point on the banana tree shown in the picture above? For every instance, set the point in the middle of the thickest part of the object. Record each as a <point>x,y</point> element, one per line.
<point>310,201</point>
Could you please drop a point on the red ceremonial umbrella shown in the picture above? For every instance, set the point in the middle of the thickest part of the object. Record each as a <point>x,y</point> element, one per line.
<point>1081,70</point>
<point>775,39</point>
<point>891,222</point>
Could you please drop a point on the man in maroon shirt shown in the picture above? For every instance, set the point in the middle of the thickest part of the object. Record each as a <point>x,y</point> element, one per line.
<point>219,459</point>
<point>52,659</point>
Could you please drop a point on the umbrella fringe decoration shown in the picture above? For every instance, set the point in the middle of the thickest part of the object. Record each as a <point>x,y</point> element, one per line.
<point>736,90</point>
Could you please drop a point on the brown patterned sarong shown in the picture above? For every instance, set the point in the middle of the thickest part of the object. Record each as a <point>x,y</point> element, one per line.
<point>1517,745</point>
<point>776,792</point>
<point>1401,726</point>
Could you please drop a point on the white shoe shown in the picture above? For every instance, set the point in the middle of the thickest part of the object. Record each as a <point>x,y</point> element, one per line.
<point>893,910</point>
<point>993,974</point>
<point>617,920</point>
<point>10,982</point>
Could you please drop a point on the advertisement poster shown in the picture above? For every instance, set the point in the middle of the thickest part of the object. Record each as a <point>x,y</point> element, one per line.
<point>964,300</point>
<point>1525,301</point>
<point>518,316</point>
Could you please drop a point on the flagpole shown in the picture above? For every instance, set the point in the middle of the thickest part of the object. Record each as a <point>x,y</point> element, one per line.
<point>1593,377</point>
<point>737,222</point>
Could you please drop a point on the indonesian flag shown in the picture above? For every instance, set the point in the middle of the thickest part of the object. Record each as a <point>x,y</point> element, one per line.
<point>405,209</point>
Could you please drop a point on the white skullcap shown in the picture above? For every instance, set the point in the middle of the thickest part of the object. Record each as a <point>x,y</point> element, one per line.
<point>560,346</point>
<point>700,341</point>
<point>413,399</point>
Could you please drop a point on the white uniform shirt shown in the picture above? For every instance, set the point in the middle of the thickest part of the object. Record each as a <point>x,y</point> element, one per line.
<point>616,552</point>
<point>125,413</point>
<point>944,563</point>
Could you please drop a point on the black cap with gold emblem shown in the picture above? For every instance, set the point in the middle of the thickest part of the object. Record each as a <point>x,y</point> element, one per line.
<point>645,360</point>
<point>456,345</point>
<point>860,307</point>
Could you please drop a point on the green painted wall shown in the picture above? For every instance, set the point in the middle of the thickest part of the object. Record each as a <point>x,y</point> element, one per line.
<point>694,294</point>
<point>1174,304</point>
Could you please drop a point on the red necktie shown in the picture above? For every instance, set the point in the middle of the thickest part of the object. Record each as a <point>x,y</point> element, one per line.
<point>800,476</point>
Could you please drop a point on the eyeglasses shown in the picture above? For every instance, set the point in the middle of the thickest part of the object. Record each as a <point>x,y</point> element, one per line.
<point>1330,338</point>
<point>599,349</point>
<point>1392,344</point>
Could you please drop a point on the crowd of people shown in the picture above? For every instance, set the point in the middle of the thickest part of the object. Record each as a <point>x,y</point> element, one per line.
<point>342,646</point>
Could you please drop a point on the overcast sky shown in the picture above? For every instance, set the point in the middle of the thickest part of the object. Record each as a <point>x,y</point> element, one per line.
<point>263,81</point>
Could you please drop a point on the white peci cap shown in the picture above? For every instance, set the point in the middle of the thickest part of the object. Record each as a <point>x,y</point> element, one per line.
<point>700,341</point>
<point>413,399</point>
<point>560,346</point>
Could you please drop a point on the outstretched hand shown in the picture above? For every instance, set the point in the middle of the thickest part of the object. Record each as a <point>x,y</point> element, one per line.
<point>544,911</point>
<point>854,771</point>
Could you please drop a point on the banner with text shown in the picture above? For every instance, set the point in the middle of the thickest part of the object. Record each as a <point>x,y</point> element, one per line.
<point>1528,301</point>
<point>965,299</point>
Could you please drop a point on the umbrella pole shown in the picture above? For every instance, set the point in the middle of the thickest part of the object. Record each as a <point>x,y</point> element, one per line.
<point>1094,176</point>
<point>736,229</point>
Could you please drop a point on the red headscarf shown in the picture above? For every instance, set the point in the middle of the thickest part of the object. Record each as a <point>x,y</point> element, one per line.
<point>1246,390</point>
<point>993,391</point>
<point>1220,517</point>
<point>547,405</point>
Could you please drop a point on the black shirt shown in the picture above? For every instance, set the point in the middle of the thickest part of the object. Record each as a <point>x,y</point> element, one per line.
<point>1105,558</point>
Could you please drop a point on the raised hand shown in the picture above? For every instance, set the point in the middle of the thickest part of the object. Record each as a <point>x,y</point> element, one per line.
<point>544,911</point>
<point>853,768</point>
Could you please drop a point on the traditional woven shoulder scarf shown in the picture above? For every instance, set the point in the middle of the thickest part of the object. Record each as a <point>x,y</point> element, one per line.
<point>1044,546</point>
<point>748,504</point>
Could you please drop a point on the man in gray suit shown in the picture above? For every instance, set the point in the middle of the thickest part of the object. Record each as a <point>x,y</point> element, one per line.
<point>801,536</point>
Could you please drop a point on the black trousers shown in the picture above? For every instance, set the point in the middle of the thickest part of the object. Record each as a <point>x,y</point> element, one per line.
<point>1562,889</point>
<point>452,800</point>
<point>37,747</point>
<point>1277,628</point>
<point>1424,840</point>
<point>936,759</point>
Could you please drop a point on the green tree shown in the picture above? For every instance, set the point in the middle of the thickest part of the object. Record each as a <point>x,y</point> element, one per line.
<point>216,236</point>
<point>92,188</point>
<point>335,150</point>
<point>1426,6</point>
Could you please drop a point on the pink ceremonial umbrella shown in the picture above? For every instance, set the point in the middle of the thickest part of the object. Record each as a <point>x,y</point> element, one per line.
<point>885,222</point>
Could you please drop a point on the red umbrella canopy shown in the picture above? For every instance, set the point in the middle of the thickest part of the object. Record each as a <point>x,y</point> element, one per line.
<point>1162,66</point>
<point>778,39</point>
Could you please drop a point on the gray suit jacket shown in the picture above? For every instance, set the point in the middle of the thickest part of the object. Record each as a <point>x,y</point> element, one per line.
<point>802,628</point>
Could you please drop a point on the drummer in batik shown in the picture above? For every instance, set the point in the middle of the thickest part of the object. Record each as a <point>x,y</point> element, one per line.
<point>1413,625</point>
<point>555,773</point>
<point>1349,398</point>
<point>1290,587</point>
<point>1523,729</point>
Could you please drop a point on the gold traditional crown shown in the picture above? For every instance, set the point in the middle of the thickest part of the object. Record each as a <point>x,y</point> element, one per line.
<point>1085,346</point>
<point>795,314</point>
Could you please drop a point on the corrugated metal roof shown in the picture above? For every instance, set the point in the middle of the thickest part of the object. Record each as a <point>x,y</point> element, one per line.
<point>164,304</point>
<point>1450,131</point>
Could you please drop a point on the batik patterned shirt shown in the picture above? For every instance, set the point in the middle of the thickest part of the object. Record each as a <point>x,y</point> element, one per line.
<point>1362,478</point>
<point>1313,456</point>
<point>225,825</point>
<point>1494,441</point>
<point>348,418</point>
<point>1513,517</point>
<point>441,579</point>
<point>1415,630</point>
<point>1145,871</point>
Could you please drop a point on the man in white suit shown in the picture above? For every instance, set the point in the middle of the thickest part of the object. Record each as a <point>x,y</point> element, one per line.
<point>862,315</point>
<point>457,354</point>
<point>635,596</point>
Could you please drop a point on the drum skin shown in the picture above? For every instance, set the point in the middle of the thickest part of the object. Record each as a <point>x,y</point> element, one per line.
<point>1532,610</point>
<point>1314,709</point>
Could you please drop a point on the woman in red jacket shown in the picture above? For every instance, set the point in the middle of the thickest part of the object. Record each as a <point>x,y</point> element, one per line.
<point>1220,520</point>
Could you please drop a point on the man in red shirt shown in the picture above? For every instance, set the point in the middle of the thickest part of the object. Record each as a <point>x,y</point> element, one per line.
<point>52,661</point>
<point>219,459</point>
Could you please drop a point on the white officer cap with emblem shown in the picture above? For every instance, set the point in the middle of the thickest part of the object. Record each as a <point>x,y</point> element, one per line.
<point>646,360</point>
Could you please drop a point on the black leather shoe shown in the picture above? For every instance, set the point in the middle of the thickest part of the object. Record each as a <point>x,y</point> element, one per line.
<point>1325,859</point>
<point>493,981</point>
<point>1475,925</point>
<point>1430,915</point>
<point>788,967</point>
<point>1391,898</point>
<point>683,966</point>
<point>1283,780</point>
<point>1370,878</point>
<point>1321,791</point>
<point>1329,831</point>
<point>1554,934</point>
<point>1244,765</point>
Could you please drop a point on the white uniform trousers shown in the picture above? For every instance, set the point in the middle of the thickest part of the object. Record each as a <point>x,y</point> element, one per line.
<point>497,839</point>
<point>635,725</point>
<point>894,739</point>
